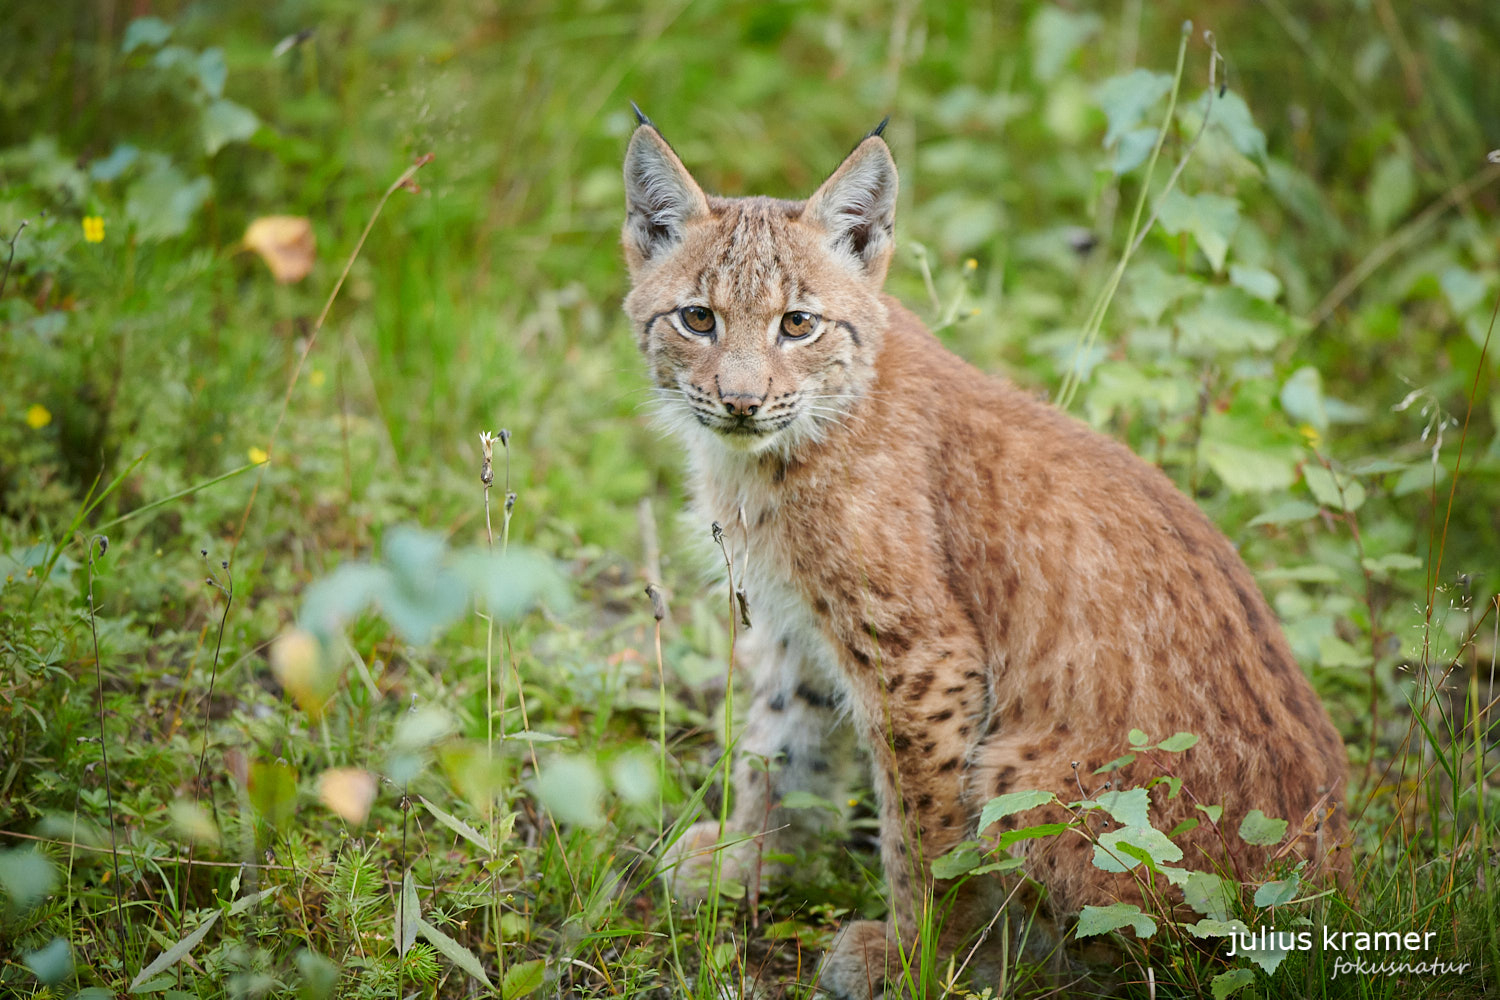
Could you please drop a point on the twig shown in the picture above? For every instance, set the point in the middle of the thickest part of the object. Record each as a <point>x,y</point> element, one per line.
<point>109,799</point>
<point>4,278</point>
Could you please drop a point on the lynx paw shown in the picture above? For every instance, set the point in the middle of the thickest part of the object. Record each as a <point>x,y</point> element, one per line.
<point>689,863</point>
<point>863,959</point>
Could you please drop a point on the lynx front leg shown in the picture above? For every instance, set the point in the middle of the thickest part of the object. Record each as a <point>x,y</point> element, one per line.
<point>793,740</point>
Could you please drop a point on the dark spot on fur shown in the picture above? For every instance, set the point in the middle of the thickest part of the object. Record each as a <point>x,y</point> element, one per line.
<point>955,689</point>
<point>1003,779</point>
<point>777,704</point>
<point>949,765</point>
<point>920,685</point>
<point>900,743</point>
<point>942,716</point>
<point>893,682</point>
<point>817,699</point>
<point>929,746</point>
<point>923,802</point>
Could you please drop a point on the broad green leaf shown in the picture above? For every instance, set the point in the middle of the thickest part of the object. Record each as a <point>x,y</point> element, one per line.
<point>1339,492</point>
<point>1135,146</point>
<point>572,790</point>
<point>175,954</point>
<point>1335,653</point>
<point>26,876</point>
<point>408,914</point>
<point>1011,803</point>
<point>1393,188</point>
<point>1230,115</point>
<point>1249,469</point>
<point>1269,959</point>
<point>1178,742</point>
<point>1093,920</point>
<point>633,776</point>
<point>1227,321</point>
<point>1385,566</point>
<point>1126,99</point>
<point>1151,290</point>
<point>1209,894</point>
<point>959,861</point>
<point>252,900</point>
<point>1277,893</point>
<point>1302,398</point>
<point>1186,826</point>
<point>523,978</point>
<point>1128,807</point>
<point>1138,738</point>
<point>273,791</point>
<point>799,798</point>
<point>421,727</point>
<point>455,953</point>
<point>145,31</point>
<point>1226,984</point>
<point>1315,573</point>
<point>1255,281</point>
<point>1212,812</point>
<point>1286,512</point>
<point>1055,34</point>
<point>1463,288</point>
<point>320,975</point>
<point>52,963</point>
<point>527,736</point>
<point>224,122</point>
<point>161,203</point>
<point>1116,764</point>
<point>1210,219</point>
<point>1258,828</point>
<point>1006,864</point>
<point>1030,833</point>
<point>1113,848</point>
<point>1212,927</point>
<point>212,72</point>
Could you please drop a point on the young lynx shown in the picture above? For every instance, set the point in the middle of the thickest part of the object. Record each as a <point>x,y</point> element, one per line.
<point>981,591</point>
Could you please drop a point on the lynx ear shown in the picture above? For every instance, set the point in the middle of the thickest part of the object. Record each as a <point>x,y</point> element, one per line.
<point>661,197</point>
<point>857,206</point>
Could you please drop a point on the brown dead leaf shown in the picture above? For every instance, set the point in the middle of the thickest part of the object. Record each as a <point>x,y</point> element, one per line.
<point>285,243</point>
<point>348,791</point>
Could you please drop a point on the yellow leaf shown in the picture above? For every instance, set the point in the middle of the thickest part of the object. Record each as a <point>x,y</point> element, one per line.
<point>285,243</point>
<point>348,791</point>
<point>38,416</point>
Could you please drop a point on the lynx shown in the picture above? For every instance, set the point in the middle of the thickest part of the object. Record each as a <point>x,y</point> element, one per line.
<point>980,591</point>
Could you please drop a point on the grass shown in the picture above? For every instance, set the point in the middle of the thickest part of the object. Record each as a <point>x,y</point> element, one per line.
<point>488,298</point>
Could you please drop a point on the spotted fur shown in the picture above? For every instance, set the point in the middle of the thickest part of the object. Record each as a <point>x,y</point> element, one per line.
<point>986,594</point>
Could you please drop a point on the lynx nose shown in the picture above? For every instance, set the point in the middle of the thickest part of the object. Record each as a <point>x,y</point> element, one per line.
<point>741,404</point>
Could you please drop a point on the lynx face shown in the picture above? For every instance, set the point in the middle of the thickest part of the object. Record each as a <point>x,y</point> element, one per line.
<point>760,319</point>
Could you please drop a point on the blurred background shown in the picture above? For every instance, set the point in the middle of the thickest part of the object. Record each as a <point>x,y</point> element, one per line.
<point>1301,337</point>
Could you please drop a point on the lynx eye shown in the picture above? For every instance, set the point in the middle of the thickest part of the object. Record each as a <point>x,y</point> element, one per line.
<point>798,324</point>
<point>697,319</point>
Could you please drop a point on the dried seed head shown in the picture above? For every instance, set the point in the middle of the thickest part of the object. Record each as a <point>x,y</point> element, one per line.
<point>504,437</point>
<point>103,544</point>
<point>718,533</point>
<point>744,602</point>
<point>658,601</point>
<point>510,502</point>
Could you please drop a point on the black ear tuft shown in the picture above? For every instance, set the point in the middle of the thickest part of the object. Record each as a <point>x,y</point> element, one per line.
<point>641,119</point>
<point>877,130</point>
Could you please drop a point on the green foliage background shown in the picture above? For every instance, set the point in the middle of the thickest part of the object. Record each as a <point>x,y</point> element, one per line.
<point>1302,340</point>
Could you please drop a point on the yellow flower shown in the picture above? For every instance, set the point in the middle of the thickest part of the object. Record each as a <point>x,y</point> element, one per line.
<point>258,455</point>
<point>93,228</point>
<point>1310,435</point>
<point>38,416</point>
<point>971,264</point>
<point>316,378</point>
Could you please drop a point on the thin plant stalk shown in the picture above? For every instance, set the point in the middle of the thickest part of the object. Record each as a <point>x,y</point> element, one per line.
<point>109,799</point>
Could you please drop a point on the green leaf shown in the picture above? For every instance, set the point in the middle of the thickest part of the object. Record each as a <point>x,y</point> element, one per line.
<point>1209,894</point>
<point>1128,807</point>
<point>1211,927</point>
<point>1030,833</point>
<point>1135,146</point>
<point>799,798</point>
<point>1339,492</point>
<point>26,876</point>
<point>1210,219</point>
<point>1269,959</point>
<point>1302,398</point>
<point>1212,812</point>
<point>1463,288</point>
<point>1315,573</point>
<point>1186,826</point>
<point>523,978</point>
<point>319,975</point>
<point>1393,188</point>
<point>1255,281</point>
<point>273,791</point>
<point>1335,653</point>
<point>1006,864</point>
<point>1178,742</point>
<point>1226,984</point>
<point>408,914</point>
<point>1249,469</point>
<point>1152,290</point>
<point>161,203</point>
<point>252,900</point>
<point>1277,893</point>
<point>1126,99</point>
<point>212,72</point>
<point>1231,115</point>
<point>1138,738</point>
<point>1055,34</point>
<point>1260,829</point>
<point>145,31</point>
<point>455,952</point>
<point>572,790</point>
<point>421,727</point>
<point>458,826</point>
<point>959,861</point>
<point>52,963</point>
<point>1116,764</point>
<point>1011,803</point>
<point>224,122</point>
<point>177,952</point>
<point>1227,321</point>
<point>1383,567</point>
<point>1093,920</point>
<point>1114,847</point>
<point>1286,512</point>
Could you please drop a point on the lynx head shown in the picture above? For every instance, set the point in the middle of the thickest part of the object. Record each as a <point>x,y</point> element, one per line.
<point>760,319</point>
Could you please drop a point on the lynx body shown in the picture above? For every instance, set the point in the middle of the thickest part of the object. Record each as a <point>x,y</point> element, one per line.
<point>981,591</point>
